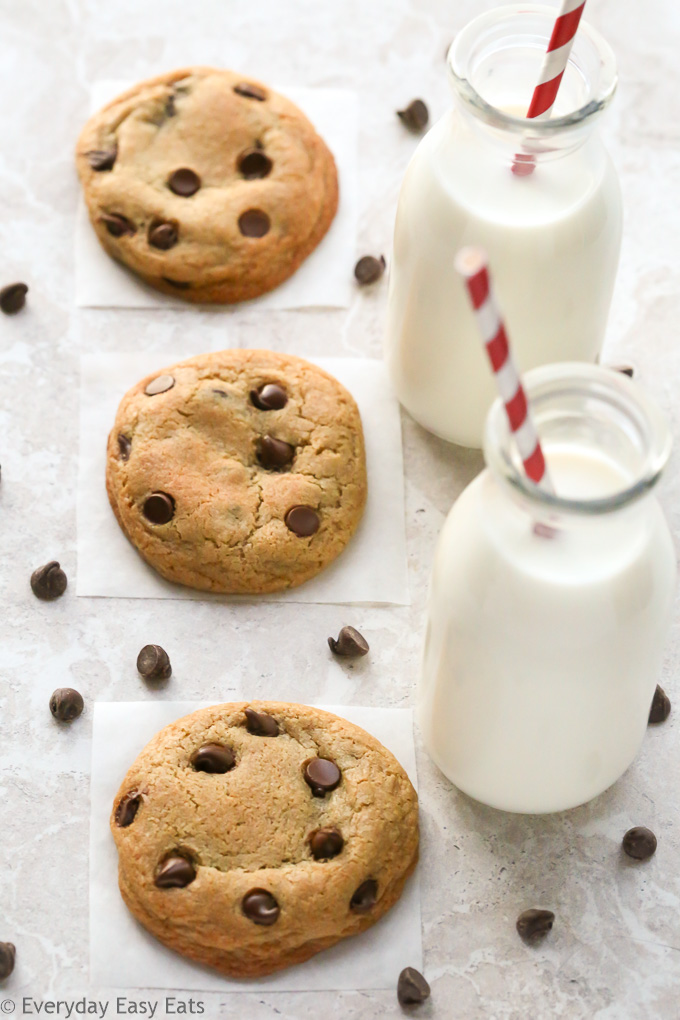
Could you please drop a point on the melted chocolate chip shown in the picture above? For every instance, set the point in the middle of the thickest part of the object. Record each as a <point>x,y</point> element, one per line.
<point>365,897</point>
<point>159,385</point>
<point>260,724</point>
<point>159,508</point>
<point>325,843</point>
<point>184,182</point>
<point>269,397</point>
<point>254,223</point>
<point>303,521</point>
<point>118,226</point>
<point>170,108</point>
<point>127,809</point>
<point>153,663</point>
<point>661,706</point>
<point>274,454</point>
<point>214,758</point>
<point>49,582</point>
<point>412,988</point>
<point>7,957</point>
<point>162,235</point>
<point>534,923</point>
<point>13,298</point>
<point>639,843</point>
<point>102,159</point>
<point>369,269</point>
<point>322,775</point>
<point>253,164</point>
<point>349,642</point>
<point>175,872</point>
<point>66,704</point>
<point>177,284</point>
<point>260,907</point>
<point>244,88</point>
<point>124,446</point>
<point>415,116</point>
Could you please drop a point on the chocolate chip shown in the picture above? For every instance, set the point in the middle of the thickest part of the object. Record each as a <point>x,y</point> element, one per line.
<point>175,872</point>
<point>170,109</point>
<point>534,923</point>
<point>244,88</point>
<point>253,164</point>
<point>624,370</point>
<point>66,704</point>
<point>159,385</point>
<point>269,397</point>
<point>325,843</point>
<point>118,226</point>
<point>254,223</point>
<point>102,159</point>
<point>153,663</point>
<point>349,642</point>
<point>162,235</point>
<point>127,809</point>
<point>49,582</point>
<point>322,775</point>
<point>214,758</point>
<point>124,446</point>
<point>13,298</point>
<point>7,956</point>
<point>412,988</point>
<point>260,724</point>
<point>184,182</point>
<point>661,706</point>
<point>415,116</point>
<point>274,453</point>
<point>639,843</point>
<point>369,269</point>
<point>303,521</point>
<point>159,508</point>
<point>177,284</point>
<point>260,907</point>
<point>365,897</point>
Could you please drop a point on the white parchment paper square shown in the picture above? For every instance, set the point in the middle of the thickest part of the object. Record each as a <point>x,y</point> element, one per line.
<point>124,955</point>
<point>373,567</point>
<point>323,280</point>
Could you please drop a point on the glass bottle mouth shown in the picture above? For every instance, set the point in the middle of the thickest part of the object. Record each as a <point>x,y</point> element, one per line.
<point>508,44</point>
<point>587,407</point>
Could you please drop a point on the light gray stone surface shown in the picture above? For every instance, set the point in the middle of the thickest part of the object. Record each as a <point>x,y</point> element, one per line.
<point>615,948</point>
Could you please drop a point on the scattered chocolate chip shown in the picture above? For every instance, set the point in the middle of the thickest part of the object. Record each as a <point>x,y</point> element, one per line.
<point>159,385</point>
<point>661,706</point>
<point>118,226</point>
<point>254,223</point>
<point>534,923</point>
<point>412,988</point>
<point>322,775</point>
<point>260,907</point>
<point>7,956</point>
<point>260,724</point>
<point>303,521</point>
<point>214,758</point>
<point>269,397</point>
<point>162,235</point>
<point>159,508</point>
<point>639,843</point>
<point>349,642</point>
<point>244,88</point>
<point>369,269</point>
<point>174,873</point>
<point>13,298</point>
<point>153,663</point>
<point>184,182</point>
<point>66,704</point>
<point>253,164</point>
<point>49,582</point>
<point>325,843</point>
<point>102,159</point>
<point>127,809</point>
<point>365,897</point>
<point>177,284</point>
<point>624,370</point>
<point>274,453</point>
<point>124,446</point>
<point>415,116</point>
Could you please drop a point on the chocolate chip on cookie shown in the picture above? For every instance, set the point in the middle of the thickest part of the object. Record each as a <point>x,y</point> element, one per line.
<point>303,521</point>
<point>322,775</point>
<point>117,225</point>
<point>159,385</point>
<point>174,872</point>
<point>124,446</point>
<point>214,758</point>
<point>365,897</point>
<point>244,88</point>
<point>102,159</point>
<point>260,724</point>
<point>254,223</point>
<point>326,843</point>
<point>260,907</point>
<point>163,235</point>
<point>184,182</point>
<point>269,397</point>
<point>177,284</point>
<point>253,164</point>
<point>127,809</point>
<point>159,508</point>
<point>273,453</point>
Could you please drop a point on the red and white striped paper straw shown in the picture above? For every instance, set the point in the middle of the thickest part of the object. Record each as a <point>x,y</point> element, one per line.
<point>472,265</point>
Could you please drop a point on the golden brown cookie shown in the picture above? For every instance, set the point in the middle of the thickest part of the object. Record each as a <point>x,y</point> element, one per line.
<point>209,186</point>
<point>252,835</point>
<point>240,471</point>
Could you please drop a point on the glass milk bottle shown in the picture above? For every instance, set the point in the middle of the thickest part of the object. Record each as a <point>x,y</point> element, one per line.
<point>548,614</point>
<point>553,236</point>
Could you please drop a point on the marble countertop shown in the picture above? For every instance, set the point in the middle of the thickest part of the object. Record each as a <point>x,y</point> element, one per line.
<point>615,949</point>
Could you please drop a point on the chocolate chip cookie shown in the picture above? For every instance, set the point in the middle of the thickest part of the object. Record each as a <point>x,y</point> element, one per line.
<point>240,471</point>
<point>209,186</point>
<point>252,835</point>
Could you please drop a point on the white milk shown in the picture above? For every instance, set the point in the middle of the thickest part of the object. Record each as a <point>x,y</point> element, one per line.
<point>542,653</point>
